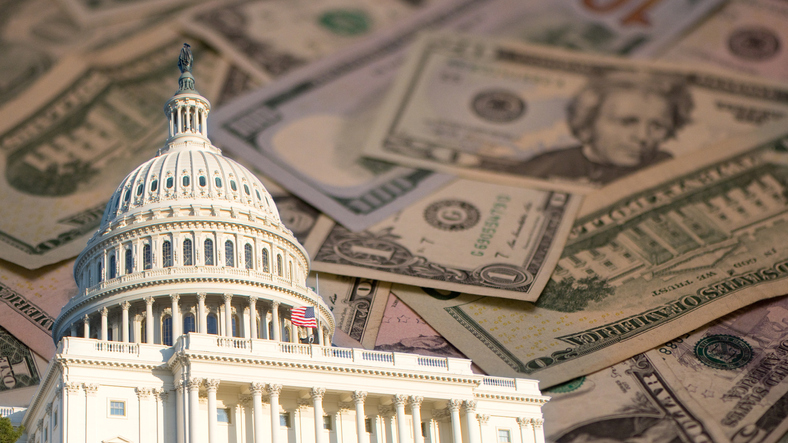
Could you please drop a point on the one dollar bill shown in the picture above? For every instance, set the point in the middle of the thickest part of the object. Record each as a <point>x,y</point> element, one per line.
<point>472,237</point>
<point>727,381</point>
<point>509,112</point>
<point>650,258</point>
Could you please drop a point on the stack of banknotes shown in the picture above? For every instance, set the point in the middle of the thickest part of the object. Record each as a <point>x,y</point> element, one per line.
<point>589,193</point>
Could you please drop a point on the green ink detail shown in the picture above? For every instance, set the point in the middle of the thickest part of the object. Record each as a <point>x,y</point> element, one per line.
<point>346,21</point>
<point>722,351</point>
<point>571,385</point>
<point>569,295</point>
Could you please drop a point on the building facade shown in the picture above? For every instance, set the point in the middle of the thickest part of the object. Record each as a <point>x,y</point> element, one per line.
<point>182,332</point>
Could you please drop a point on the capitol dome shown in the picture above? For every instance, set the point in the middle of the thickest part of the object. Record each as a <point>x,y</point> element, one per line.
<point>191,241</point>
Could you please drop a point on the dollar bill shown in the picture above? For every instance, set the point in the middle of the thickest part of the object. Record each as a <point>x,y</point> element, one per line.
<point>268,38</point>
<point>31,300</point>
<point>306,131</point>
<point>508,112</point>
<point>403,330</point>
<point>724,382</point>
<point>473,237</point>
<point>650,258</point>
<point>20,371</point>
<point>68,141</point>
<point>746,35</point>
<point>93,13</point>
<point>357,304</point>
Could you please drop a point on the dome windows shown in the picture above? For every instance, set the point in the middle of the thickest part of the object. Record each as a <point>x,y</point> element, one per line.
<point>208,249</point>
<point>201,180</point>
<point>129,261</point>
<point>246,189</point>
<point>147,261</point>
<point>257,191</point>
<point>229,254</point>
<point>169,183</point>
<point>218,181</point>
<point>139,189</point>
<point>265,261</point>
<point>166,254</point>
<point>187,252</point>
<point>154,185</point>
<point>233,186</point>
<point>248,262</point>
<point>186,181</point>
<point>112,269</point>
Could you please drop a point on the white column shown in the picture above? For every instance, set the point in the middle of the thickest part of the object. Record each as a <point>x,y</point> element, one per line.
<point>194,409</point>
<point>317,404</point>
<point>253,316</point>
<point>483,420</point>
<point>124,322</point>
<point>415,411</point>
<point>228,315</point>
<point>293,332</point>
<point>361,430</point>
<point>402,428</point>
<point>431,434</point>
<point>264,324</point>
<point>202,326</point>
<point>177,323</point>
<point>538,430</point>
<point>91,391</point>
<point>212,385</point>
<point>48,424</point>
<point>470,418</point>
<point>180,425</point>
<point>86,325</point>
<point>273,392</point>
<point>149,320</point>
<point>257,400</point>
<point>456,428</point>
<point>104,312</point>
<point>275,320</point>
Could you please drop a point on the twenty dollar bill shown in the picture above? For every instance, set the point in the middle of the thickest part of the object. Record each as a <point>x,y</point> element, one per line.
<point>649,259</point>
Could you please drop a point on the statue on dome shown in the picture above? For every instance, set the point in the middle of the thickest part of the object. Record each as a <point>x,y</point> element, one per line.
<point>185,59</point>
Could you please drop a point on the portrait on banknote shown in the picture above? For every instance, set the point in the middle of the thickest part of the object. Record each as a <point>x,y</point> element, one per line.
<point>620,123</point>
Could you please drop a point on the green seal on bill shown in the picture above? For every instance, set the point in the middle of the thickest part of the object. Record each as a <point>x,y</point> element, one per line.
<point>346,21</point>
<point>571,385</point>
<point>722,351</point>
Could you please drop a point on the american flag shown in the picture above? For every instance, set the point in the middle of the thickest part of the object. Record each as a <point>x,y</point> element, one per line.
<point>304,316</point>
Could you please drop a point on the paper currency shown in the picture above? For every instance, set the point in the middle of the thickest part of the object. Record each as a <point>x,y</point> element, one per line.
<point>513,113</point>
<point>403,330</point>
<point>307,130</point>
<point>473,237</point>
<point>652,257</point>
<point>724,382</point>
<point>269,38</point>
<point>746,35</point>
<point>90,13</point>
<point>357,304</point>
<point>20,371</point>
<point>68,141</point>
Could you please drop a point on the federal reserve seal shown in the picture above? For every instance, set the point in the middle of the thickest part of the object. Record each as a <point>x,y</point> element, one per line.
<point>498,106</point>
<point>346,21</point>
<point>570,386</point>
<point>754,43</point>
<point>452,215</point>
<point>722,351</point>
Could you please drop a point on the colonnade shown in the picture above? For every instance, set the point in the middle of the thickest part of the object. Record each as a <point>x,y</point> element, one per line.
<point>233,316</point>
<point>394,414</point>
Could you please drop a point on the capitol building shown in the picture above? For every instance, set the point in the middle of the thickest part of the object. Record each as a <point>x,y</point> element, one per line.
<point>183,329</point>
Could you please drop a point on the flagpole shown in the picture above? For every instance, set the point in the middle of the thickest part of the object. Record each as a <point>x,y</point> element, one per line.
<point>317,309</point>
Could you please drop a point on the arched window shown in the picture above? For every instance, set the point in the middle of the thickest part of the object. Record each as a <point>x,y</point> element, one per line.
<point>188,323</point>
<point>248,256</point>
<point>166,331</point>
<point>187,252</point>
<point>100,271</point>
<point>146,256</point>
<point>234,321</point>
<point>208,252</point>
<point>112,270</point>
<point>265,260</point>
<point>166,254</point>
<point>129,261</point>
<point>279,264</point>
<point>109,334</point>
<point>229,254</point>
<point>213,324</point>
<point>285,334</point>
